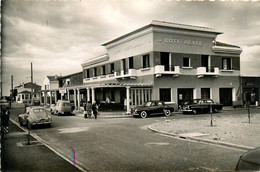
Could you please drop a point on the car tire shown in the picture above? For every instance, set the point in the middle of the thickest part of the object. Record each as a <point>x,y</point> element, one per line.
<point>194,111</point>
<point>167,112</point>
<point>143,114</point>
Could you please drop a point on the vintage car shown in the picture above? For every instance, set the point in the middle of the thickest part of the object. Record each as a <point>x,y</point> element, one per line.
<point>4,103</point>
<point>250,161</point>
<point>152,108</point>
<point>35,116</point>
<point>61,107</point>
<point>201,106</point>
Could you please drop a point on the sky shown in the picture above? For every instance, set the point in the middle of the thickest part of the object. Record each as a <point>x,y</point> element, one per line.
<point>58,35</point>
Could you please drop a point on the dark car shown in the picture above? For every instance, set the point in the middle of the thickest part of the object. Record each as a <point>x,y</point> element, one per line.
<point>201,106</point>
<point>152,108</point>
<point>249,161</point>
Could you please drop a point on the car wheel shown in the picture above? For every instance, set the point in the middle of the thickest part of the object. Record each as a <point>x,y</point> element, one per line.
<point>194,111</point>
<point>143,114</point>
<point>167,112</point>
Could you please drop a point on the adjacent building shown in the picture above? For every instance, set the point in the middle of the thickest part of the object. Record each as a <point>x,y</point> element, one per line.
<point>161,61</point>
<point>27,92</point>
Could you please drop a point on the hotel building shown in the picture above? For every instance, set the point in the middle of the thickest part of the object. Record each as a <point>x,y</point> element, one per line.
<point>163,61</point>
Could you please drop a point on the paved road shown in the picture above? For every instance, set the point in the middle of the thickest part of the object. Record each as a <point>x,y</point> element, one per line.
<point>127,144</point>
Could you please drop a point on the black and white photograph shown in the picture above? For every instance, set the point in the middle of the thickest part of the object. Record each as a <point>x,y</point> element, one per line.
<point>130,85</point>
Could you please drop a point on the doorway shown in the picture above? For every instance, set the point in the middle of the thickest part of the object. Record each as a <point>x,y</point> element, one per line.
<point>165,60</point>
<point>225,96</point>
<point>184,95</point>
<point>205,62</point>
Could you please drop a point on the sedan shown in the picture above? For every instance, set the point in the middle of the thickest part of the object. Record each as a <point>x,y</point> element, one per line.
<point>35,116</point>
<point>152,108</point>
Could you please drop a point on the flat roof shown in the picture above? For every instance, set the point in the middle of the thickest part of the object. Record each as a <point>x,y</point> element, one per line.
<point>165,24</point>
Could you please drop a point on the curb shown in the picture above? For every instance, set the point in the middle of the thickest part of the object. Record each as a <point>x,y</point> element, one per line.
<point>52,149</point>
<point>204,140</point>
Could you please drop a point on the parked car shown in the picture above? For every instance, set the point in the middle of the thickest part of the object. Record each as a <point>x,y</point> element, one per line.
<point>250,161</point>
<point>201,106</point>
<point>35,116</point>
<point>62,107</point>
<point>4,103</point>
<point>152,108</point>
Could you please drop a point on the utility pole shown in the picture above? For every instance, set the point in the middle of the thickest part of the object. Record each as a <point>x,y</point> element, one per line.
<point>32,83</point>
<point>12,87</point>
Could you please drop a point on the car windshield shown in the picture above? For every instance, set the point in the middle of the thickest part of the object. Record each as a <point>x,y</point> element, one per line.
<point>66,104</point>
<point>148,104</point>
<point>40,110</point>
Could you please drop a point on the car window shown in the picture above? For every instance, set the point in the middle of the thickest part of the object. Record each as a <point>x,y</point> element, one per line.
<point>154,104</point>
<point>209,101</point>
<point>160,104</point>
<point>38,110</point>
<point>148,104</point>
<point>66,104</point>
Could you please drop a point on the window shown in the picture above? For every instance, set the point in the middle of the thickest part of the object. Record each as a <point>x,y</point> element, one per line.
<point>226,64</point>
<point>205,93</point>
<point>112,68</point>
<point>95,72</point>
<point>104,70</point>
<point>87,73</point>
<point>131,62</point>
<point>165,94</point>
<point>146,61</point>
<point>186,62</point>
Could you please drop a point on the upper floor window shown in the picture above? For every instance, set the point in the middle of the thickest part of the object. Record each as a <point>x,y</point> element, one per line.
<point>186,62</point>
<point>226,64</point>
<point>131,62</point>
<point>112,68</point>
<point>103,70</point>
<point>87,73</point>
<point>95,72</point>
<point>146,61</point>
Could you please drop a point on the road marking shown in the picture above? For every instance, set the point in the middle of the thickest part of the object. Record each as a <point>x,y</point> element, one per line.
<point>195,141</point>
<point>73,130</point>
<point>157,143</point>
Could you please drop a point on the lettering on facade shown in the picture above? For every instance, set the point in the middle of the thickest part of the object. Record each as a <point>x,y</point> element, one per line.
<point>179,41</point>
<point>132,46</point>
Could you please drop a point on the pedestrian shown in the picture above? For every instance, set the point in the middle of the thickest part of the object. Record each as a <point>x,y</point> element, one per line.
<point>95,109</point>
<point>6,116</point>
<point>89,109</point>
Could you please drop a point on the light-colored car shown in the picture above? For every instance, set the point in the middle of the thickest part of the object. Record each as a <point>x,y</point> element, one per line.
<point>4,103</point>
<point>35,116</point>
<point>62,107</point>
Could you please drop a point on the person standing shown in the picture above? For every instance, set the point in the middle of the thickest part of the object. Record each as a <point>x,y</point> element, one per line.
<point>95,109</point>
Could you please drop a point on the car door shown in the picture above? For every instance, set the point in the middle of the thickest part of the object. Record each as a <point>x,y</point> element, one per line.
<point>153,108</point>
<point>160,107</point>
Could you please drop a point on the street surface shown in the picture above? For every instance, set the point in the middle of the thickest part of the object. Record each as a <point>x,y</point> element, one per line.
<point>127,144</point>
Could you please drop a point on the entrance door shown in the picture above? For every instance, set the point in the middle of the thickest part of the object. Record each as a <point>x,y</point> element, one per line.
<point>165,60</point>
<point>225,96</point>
<point>184,95</point>
<point>205,62</point>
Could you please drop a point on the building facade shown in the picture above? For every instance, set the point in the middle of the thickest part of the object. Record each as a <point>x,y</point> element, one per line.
<point>162,61</point>
<point>251,86</point>
<point>27,92</point>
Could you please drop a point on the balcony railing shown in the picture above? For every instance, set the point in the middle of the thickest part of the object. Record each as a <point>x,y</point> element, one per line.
<point>130,73</point>
<point>160,70</point>
<point>204,71</point>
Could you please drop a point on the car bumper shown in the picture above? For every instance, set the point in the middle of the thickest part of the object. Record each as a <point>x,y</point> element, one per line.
<point>42,123</point>
<point>186,110</point>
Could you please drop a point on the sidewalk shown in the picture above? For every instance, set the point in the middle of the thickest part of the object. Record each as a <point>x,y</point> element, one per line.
<point>17,155</point>
<point>229,130</point>
<point>113,114</point>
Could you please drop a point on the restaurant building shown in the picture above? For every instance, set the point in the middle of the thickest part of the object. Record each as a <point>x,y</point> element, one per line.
<point>163,61</point>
